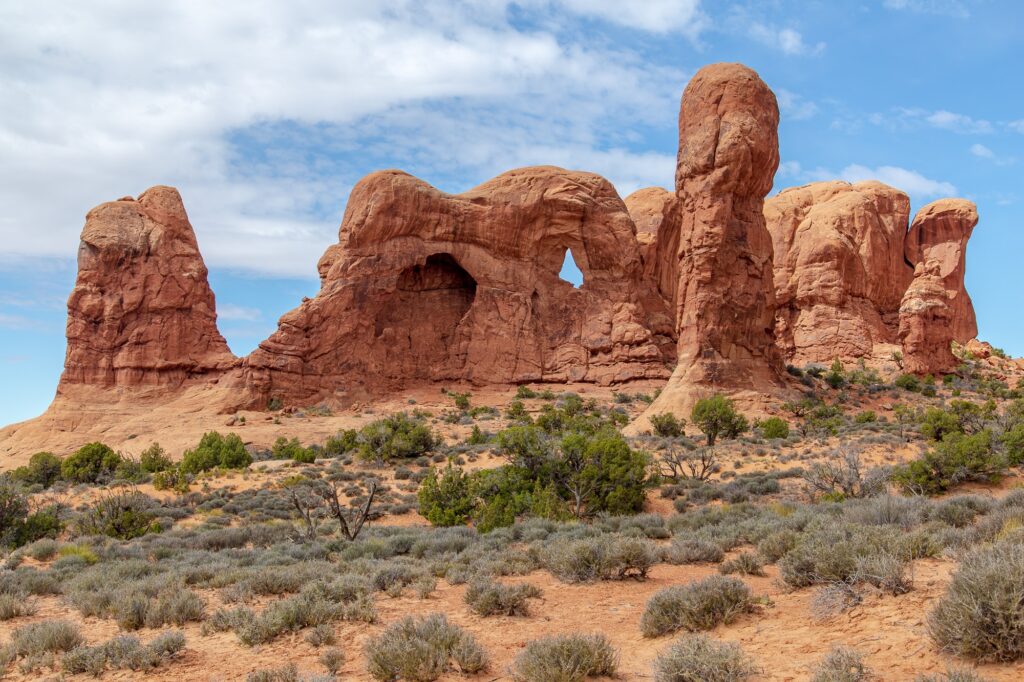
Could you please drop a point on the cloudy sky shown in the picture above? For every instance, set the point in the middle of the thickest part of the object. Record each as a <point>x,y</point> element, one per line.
<point>264,114</point>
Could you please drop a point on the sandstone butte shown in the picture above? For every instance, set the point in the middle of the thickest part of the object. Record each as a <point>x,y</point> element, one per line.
<point>709,287</point>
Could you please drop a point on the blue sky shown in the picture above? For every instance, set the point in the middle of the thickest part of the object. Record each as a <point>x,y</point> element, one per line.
<point>264,114</point>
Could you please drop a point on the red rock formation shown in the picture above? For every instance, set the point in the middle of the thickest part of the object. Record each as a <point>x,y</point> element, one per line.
<point>839,268</point>
<point>936,309</point>
<point>427,286</point>
<point>141,313</point>
<point>655,211</point>
<point>724,300</point>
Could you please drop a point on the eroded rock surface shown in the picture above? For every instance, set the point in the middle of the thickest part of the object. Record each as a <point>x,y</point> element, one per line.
<point>142,313</point>
<point>936,309</point>
<point>428,286</point>
<point>840,274</point>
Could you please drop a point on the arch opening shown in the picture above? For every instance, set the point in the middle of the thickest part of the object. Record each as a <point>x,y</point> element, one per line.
<point>571,272</point>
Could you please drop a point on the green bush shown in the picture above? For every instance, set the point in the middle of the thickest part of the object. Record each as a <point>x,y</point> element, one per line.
<point>154,459</point>
<point>836,375</point>
<point>1013,442</point>
<point>908,382</point>
<point>865,417</point>
<point>717,416</point>
<point>980,616</point>
<point>396,437</point>
<point>774,427</point>
<point>446,500</point>
<point>566,658</point>
<point>293,450</point>
<point>215,450</point>
<point>422,649</point>
<point>699,605</point>
<point>667,425</point>
<point>43,469</point>
<point>90,463</point>
<point>345,441</point>
<point>698,658</point>
<point>954,460</point>
<point>121,515</point>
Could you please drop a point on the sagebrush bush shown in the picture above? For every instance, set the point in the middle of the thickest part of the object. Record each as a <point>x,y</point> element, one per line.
<point>693,551</point>
<point>48,636</point>
<point>122,515</point>
<point>980,616</point>
<point>746,563</point>
<point>600,558</point>
<point>699,605</point>
<point>566,658</point>
<point>698,658</point>
<point>841,664</point>
<point>15,606</point>
<point>953,675</point>
<point>488,598</point>
<point>422,649</point>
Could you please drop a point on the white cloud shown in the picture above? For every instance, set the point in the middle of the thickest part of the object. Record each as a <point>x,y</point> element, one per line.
<point>18,322</point>
<point>983,152</point>
<point>787,40</point>
<point>910,181</point>
<point>106,99</point>
<point>958,123</point>
<point>656,16</point>
<point>794,106</point>
<point>1016,126</point>
<point>230,311</point>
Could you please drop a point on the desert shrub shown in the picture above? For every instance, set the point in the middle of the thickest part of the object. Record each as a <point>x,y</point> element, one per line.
<point>422,649</point>
<point>599,558</point>
<point>865,417</point>
<point>954,460</point>
<point>885,571</point>
<point>717,416</point>
<point>1013,442</point>
<point>667,425</point>
<point>43,469</point>
<point>836,375</point>
<point>171,479</point>
<point>215,450</point>
<point>332,659</point>
<point>154,459</point>
<point>699,605</point>
<point>293,450</point>
<point>346,440</point>
<point>834,552</point>
<point>908,382</point>
<point>285,673</point>
<point>842,476</point>
<point>290,614</point>
<point>396,437</point>
<point>746,563</point>
<point>774,427</point>
<point>953,675</point>
<point>980,616</point>
<point>446,500</point>
<point>15,606</point>
<point>48,636</point>
<point>488,598</point>
<point>840,665</point>
<point>698,658</point>
<point>566,658</point>
<point>321,635</point>
<point>693,551</point>
<point>774,546</point>
<point>90,463</point>
<point>524,392</point>
<point>122,515</point>
<point>832,599</point>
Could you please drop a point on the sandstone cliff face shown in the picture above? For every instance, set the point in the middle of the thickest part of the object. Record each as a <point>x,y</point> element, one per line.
<point>142,313</point>
<point>724,296</point>
<point>840,274</point>
<point>655,211</point>
<point>427,286</point>
<point>936,309</point>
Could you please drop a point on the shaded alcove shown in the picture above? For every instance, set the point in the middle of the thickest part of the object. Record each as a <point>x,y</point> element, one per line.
<point>429,302</point>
